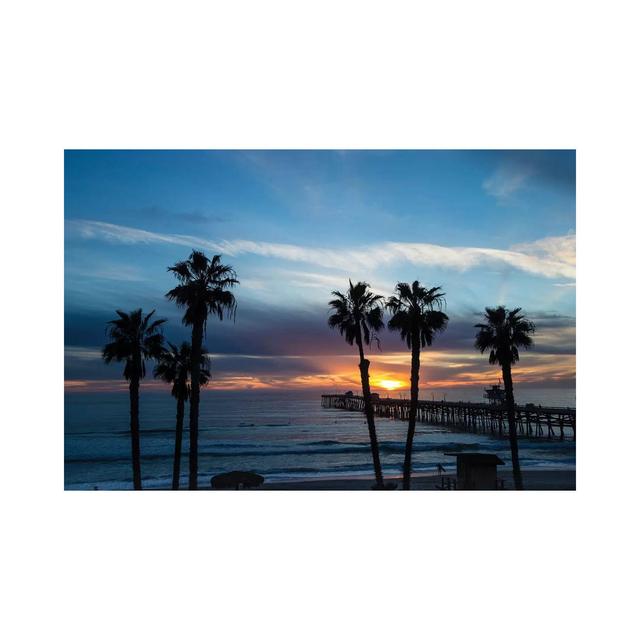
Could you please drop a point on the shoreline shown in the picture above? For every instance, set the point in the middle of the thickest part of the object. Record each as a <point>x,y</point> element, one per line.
<point>533,480</point>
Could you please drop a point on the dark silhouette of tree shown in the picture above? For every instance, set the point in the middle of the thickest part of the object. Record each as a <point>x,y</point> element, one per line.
<point>415,313</point>
<point>358,316</point>
<point>134,339</point>
<point>203,290</point>
<point>174,367</point>
<point>504,332</point>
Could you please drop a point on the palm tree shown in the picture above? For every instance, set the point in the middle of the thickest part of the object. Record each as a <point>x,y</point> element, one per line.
<point>417,316</point>
<point>203,289</point>
<point>134,339</point>
<point>358,315</point>
<point>504,332</point>
<point>174,367</point>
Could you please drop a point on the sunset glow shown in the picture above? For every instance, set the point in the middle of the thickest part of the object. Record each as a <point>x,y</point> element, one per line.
<point>390,385</point>
<point>279,338</point>
<point>337,374</point>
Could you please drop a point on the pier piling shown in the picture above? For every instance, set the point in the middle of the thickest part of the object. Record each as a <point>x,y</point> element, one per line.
<point>531,421</point>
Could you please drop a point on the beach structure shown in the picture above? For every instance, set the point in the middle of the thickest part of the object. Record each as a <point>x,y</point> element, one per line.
<point>476,471</point>
<point>532,421</point>
<point>495,395</point>
<point>236,480</point>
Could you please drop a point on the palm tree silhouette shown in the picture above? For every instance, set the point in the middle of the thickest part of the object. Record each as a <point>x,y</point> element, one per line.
<point>134,340</point>
<point>416,315</point>
<point>358,315</point>
<point>203,289</point>
<point>504,332</point>
<point>174,367</point>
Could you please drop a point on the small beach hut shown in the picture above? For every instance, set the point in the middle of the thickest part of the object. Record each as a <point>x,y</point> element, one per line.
<point>236,480</point>
<point>476,471</point>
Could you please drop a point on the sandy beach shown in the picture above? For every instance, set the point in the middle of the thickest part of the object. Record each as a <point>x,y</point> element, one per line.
<point>548,480</point>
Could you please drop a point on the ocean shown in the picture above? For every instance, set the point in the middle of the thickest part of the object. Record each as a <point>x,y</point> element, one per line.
<point>282,436</point>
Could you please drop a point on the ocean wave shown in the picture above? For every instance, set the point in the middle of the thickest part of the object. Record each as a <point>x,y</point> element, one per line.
<point>319,448</point>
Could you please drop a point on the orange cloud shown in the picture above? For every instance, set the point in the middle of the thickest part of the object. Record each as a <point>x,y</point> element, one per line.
<point>389,373</point>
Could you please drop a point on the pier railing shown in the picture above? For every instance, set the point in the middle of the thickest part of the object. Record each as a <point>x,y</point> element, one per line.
<point>533,421</point>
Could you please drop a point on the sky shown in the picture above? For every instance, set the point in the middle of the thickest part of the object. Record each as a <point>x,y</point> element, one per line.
<point>489,227</point>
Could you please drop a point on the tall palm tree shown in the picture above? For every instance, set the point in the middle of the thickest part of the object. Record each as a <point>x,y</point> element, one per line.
<point>134,339</point>
<point>174,367</point>
<point>417,316</point>
<point>502,334</point>
<point>203,290</point>
<point>358,316</point>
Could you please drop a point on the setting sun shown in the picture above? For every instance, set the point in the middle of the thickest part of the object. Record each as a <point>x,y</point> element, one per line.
<point>390,385</point>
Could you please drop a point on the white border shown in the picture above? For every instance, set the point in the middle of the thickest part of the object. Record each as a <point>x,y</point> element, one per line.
<point>345,75</point>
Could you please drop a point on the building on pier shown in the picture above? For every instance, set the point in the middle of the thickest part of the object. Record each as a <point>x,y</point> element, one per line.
<point>495,395</point>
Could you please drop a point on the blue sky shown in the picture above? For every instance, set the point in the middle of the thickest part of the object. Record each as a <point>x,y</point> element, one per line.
<point>490,227</point>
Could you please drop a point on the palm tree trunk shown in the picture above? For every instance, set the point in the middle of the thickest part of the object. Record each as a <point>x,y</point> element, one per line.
<point>134,396</point>
<point>513,435</point>
<point>368,410</point>
<point>196,353</point>
<point>177,452</point>
<point>413,410</point>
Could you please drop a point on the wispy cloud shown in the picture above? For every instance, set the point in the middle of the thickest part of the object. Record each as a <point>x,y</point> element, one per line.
<point>548,257</point>
<point>82,353</point>
<point>507,180</point>
<point>119,273</point>
<point>561,248</point>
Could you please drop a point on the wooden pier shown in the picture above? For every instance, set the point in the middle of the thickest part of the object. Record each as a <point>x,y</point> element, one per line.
<point>532,421</point>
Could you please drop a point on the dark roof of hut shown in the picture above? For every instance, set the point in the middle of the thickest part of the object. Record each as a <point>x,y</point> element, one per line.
<point>477,458</point>
<point>233,479</point>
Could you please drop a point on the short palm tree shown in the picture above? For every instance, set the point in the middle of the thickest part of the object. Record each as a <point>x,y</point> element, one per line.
<point>134,339</point>
<point>174,367</point>
<point>358,316</point>
<point>502,334</point>
<point>415,313</point>
<point>203,290</point>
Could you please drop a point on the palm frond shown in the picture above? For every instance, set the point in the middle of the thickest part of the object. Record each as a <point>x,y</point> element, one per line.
<point>503,333</point>
<point>204,288</point>
<point>174,367</point>
<point>133,342</point>
<point>415,312</point>
<point>357,314</point>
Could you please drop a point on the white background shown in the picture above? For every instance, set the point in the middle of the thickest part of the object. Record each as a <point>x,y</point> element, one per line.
<point>334,75</point>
